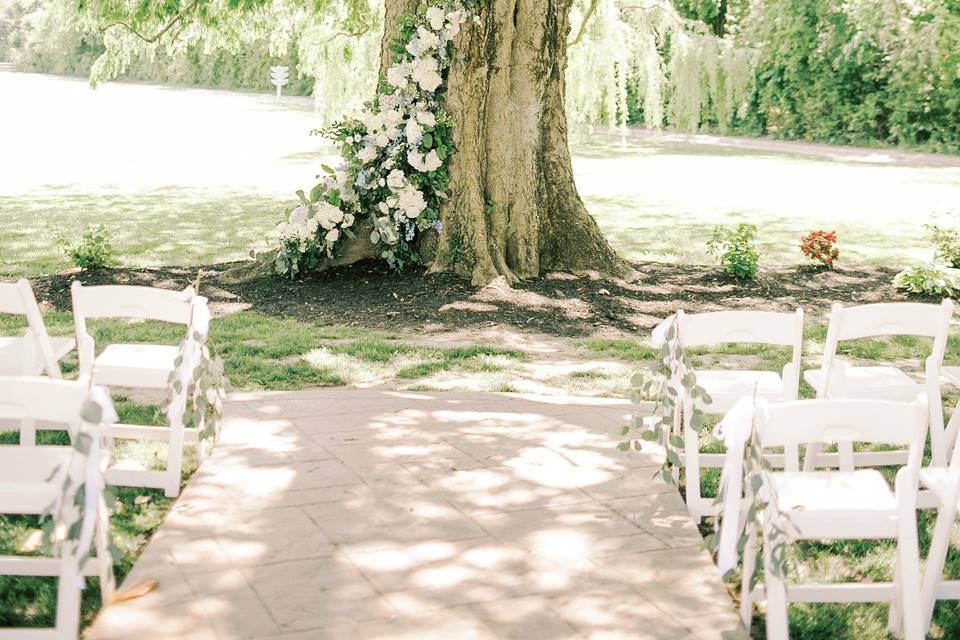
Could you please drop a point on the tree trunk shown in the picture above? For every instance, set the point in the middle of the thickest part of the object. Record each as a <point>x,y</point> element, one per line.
<point>514,210</point>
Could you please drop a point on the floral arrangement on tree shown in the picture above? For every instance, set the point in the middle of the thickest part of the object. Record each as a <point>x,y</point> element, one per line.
<point>821,246</point>
<point>394,168</point>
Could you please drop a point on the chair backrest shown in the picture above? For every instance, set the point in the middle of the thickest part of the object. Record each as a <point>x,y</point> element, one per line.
<point>754,327</point>
<point>122,301</point>
<point>888,319</point>
<point>801,422</point>
<point>18,299</point>
<point>43,399</point>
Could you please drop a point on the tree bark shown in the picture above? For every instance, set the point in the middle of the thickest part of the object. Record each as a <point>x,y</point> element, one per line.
<point>514,210</point>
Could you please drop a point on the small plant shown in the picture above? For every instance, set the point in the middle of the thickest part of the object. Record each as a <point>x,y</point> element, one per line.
<point>934,280</point>
<point>821,246</point>
<point>94,250</point>
<point>947,243</point>
<point>734,248</point>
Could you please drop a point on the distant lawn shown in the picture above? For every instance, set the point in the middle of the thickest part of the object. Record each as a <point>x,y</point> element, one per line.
<point>169,226</point>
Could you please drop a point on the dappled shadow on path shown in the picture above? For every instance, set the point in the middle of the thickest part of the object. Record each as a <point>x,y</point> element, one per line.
<point>378,514</point>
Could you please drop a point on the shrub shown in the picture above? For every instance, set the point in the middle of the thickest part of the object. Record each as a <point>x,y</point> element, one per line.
<point>94,250</point>
<point>820,246</point>
<point>932,280</point>
<point>734,248</point>
<point>947,243</point>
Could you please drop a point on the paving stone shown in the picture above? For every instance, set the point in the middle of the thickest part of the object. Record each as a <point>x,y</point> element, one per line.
<point>381,514</point>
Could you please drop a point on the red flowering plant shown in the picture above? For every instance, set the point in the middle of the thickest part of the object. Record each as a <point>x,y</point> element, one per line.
<point>821,246</point>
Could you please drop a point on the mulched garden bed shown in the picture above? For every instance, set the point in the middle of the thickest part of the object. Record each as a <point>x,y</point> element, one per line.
<point>370,295</point>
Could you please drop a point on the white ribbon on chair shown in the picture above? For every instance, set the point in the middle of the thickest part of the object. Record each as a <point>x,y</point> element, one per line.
<point>659,334</point>
<point>734,430</point>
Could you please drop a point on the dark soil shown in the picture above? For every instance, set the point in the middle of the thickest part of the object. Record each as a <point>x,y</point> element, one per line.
<point>370,295</point>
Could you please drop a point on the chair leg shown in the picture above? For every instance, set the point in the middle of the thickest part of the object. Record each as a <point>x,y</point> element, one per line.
<point>104,557</point>
<point>749,564</point>
<point>933,572</point>
<point>68,598</point>
<point>778,627</point>
<point>908,580</point>
<point>895,619</point>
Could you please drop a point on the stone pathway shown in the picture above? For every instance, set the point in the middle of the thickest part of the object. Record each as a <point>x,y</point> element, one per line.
<point>382,514</point>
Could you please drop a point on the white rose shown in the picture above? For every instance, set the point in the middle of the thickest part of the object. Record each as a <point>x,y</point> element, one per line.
<point>391,118</point>
<point>384,209</point>
<point>413,47</point>
<point>430,81</point>
<point>436,18</point>
<point>299,215</point>
<point>432,161</point>
<point>416,160</point>
<point>452,31</point>
<point>425,74</point>
<point>428,39</point>
<point>396,180</point>
<point>367,154</point>
<point>348,220</point>
<point>312,225</point>
<point>411,202</point>
<point>427,119</point>
<point>397,76</point>
<point>381,140</point>
<point>414,132</point>
<point>332,236</point>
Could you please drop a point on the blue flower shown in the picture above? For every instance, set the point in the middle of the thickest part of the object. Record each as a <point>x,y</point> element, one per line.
<point>438,226</point>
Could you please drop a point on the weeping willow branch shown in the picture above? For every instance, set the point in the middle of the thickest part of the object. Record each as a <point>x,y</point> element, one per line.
<point>159,34</point>
<point>583,23</point>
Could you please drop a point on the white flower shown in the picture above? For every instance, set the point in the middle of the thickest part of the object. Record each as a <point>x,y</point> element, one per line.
<point>414,132</point>
<point>391,118</point>
<point>328,215</point>
<point>348,220</point>
<point>452,31</point>
<point>299,215</point>
<point>413,47</point>
<point>388,102</point>
<point>425,74</point>
<point>397,76</point>
<point>313,224</point>
<point>436,18</point>
<point>332,236</point>
<point>396,180</point>
<point>432,161</point>
<point>411,201</point>
<point>428,39</point>
<point>381,140</point>
<point>384,209</point>
<point>427,119</point>
<point>367,154</point>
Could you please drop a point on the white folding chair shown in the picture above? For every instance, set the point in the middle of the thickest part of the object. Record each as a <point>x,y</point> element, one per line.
<point>146,366</point>
<point>725,387</point>
<point>35,353</point>
<point>31,482</point>
<point>846,505</point>
<point>943,483</point>
<point>837,379</point>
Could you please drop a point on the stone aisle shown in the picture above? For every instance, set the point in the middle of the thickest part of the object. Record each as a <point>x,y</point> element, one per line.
<point>383,514</point>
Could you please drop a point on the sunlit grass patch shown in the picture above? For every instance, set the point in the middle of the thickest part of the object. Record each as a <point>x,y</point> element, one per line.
<point>638,350</point>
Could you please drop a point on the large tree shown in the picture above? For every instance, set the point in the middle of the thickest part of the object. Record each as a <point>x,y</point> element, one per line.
<point>512,208</point>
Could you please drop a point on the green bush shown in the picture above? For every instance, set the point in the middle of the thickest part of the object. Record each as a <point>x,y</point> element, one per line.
<point>947,243</point>
<point>734,248</point>
<point>932,280</point>
<point>94,250</point>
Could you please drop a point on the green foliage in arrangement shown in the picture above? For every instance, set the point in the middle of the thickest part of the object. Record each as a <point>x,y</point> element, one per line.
<point>94,250</point>
<point>929,280</point>
<point>735,249</point>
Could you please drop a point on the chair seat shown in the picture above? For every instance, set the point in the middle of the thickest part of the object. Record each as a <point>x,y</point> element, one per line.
<point>26,486</point>
<point>889,383</point>
<point>726,387</point>
<point>135,365</point>
<point>836,504</point>
<point>13,351</point>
